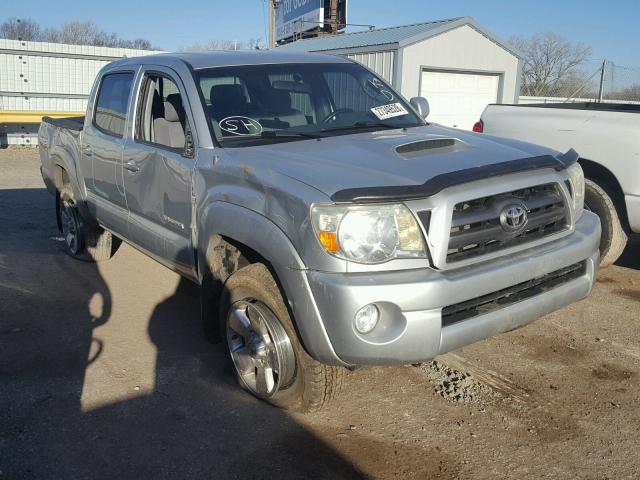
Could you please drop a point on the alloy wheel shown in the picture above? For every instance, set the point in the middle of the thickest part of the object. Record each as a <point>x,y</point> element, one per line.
<point>260,348</point>
<point>70,222</point>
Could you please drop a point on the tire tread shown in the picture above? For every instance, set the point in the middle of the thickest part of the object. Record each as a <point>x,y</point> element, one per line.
<point>614,238</point>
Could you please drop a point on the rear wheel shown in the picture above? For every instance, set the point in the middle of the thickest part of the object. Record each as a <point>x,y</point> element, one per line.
<point>614,238</point>
<point>268,359</point>
<point>81,240</point>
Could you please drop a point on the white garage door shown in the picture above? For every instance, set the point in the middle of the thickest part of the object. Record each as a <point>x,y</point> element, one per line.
<point>458,99</point>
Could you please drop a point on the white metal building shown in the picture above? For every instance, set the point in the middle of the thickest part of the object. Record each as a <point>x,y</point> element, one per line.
<point>458,65</point>
<point>42,77</point>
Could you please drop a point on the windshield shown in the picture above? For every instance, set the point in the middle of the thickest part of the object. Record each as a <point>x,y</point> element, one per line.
<point>257,104</point>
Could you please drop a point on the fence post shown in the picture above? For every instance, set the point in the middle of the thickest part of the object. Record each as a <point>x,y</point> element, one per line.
<point>601,89</point>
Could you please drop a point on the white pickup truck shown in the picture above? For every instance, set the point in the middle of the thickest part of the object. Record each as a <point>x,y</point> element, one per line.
<point>607,138</point>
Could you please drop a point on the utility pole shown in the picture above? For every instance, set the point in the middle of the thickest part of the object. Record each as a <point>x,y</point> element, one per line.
<point>272,22</point>
<point>333,27</point>
<point>601,89</point>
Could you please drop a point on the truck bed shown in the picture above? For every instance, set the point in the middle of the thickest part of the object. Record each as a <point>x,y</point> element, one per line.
<point>71,123</point>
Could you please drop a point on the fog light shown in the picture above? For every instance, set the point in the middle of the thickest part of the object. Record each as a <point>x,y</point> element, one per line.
<point>366,318</point>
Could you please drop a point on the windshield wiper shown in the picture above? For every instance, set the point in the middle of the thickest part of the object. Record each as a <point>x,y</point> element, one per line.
<point>288,133</point>
<point>363,125</point>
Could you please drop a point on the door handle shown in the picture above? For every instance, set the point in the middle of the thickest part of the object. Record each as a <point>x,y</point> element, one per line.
<point>131,166</point>
<point>87,151</point>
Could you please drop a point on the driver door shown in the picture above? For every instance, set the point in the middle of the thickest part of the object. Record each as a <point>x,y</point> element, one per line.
<point>158,165</point>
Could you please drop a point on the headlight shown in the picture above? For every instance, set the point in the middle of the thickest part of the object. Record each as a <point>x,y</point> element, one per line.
<point>576,177</point>
<point>368,233</point>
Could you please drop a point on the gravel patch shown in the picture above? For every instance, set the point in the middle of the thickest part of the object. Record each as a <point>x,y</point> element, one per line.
<point>456,386</point>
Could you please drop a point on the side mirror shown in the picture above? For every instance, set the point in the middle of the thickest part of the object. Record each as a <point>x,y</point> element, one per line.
<point>421,105</point>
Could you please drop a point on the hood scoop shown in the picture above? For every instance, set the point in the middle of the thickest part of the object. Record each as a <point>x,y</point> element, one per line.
<point>434,145</point>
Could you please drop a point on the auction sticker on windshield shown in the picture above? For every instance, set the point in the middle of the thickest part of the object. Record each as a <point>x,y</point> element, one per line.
<point>389,111</point>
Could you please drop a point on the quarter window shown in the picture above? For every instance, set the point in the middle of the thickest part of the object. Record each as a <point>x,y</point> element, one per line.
<point>111,106</point>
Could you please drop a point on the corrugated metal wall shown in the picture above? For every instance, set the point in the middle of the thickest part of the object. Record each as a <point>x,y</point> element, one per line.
<point>380,62</point>
<point>49,77</point>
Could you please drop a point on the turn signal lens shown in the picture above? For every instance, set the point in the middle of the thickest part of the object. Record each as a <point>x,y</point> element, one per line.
<point>329,241</point>
<point>576,176</point>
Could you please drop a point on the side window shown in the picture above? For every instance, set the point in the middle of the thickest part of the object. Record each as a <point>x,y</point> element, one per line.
<point>111,106</point>
<point>161,118</point>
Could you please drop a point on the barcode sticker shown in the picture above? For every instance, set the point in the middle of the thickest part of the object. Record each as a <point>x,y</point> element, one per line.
<point>389,111</point>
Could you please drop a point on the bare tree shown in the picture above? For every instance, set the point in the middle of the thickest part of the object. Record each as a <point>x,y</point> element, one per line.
<point>256,44</point>
<point>78,33</point>
<point>20,29</point>
<point>140,44</point>
<point>551,63</point>
<point>75,33</point>
<point>214,45</point>
<point>252,44</point>
<point>88,33</point>
<point>630,93</point>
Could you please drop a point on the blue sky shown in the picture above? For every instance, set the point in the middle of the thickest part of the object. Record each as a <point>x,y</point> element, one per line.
<point>611,28</point>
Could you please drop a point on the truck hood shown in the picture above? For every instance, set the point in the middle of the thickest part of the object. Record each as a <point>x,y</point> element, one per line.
<point>373,159</point>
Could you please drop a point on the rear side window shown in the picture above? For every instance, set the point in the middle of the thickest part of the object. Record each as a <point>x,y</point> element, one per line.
<point>111,106</point>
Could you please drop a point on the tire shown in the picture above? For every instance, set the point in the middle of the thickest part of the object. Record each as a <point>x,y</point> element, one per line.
<point>299,383</point>
<point>614,238</point>
<point>82,240</point>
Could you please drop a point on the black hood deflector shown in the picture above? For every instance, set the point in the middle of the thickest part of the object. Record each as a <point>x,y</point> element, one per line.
<point>450,179</point>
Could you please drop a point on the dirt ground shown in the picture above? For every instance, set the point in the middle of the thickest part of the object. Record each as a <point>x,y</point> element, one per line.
<point>104,373</point>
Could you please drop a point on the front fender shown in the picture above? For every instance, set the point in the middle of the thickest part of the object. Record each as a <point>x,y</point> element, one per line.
<point>263,236</point>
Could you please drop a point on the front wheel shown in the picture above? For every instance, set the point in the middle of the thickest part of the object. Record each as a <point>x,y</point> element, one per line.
<point>81,240</point>
<point>268,359</point>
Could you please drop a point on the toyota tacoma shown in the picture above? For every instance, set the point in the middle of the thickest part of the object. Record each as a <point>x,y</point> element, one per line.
<point>328,224</point>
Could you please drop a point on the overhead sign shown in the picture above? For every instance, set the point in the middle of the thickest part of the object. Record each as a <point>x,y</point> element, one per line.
<point>293,16</point>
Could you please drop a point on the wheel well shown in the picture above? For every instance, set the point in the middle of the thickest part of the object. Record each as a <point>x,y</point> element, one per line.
<point>609,183</point>
<point>213,283</point>
<point>60,179</point>
<point>247,254</point>
<point>60,176</point>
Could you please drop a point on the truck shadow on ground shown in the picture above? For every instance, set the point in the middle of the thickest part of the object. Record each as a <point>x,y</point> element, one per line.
<point>196,423</point>
<point>630,257</point>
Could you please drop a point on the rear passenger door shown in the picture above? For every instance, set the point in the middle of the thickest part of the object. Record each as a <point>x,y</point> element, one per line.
<point>158,164</point>
<point>102,148</point>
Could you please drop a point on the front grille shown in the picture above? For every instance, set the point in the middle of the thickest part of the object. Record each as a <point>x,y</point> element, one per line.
<point>476,228</point>
<point>508,296</point>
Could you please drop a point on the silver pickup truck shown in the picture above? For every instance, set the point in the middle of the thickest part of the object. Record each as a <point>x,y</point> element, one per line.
<point>328,224</point>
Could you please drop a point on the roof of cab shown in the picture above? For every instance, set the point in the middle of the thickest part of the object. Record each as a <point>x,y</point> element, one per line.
<point>227,58</point>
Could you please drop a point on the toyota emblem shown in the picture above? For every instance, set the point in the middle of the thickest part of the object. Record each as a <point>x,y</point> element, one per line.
<point>513,218</point>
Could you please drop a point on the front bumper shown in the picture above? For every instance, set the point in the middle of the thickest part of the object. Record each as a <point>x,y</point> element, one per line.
<point>411,301</point>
